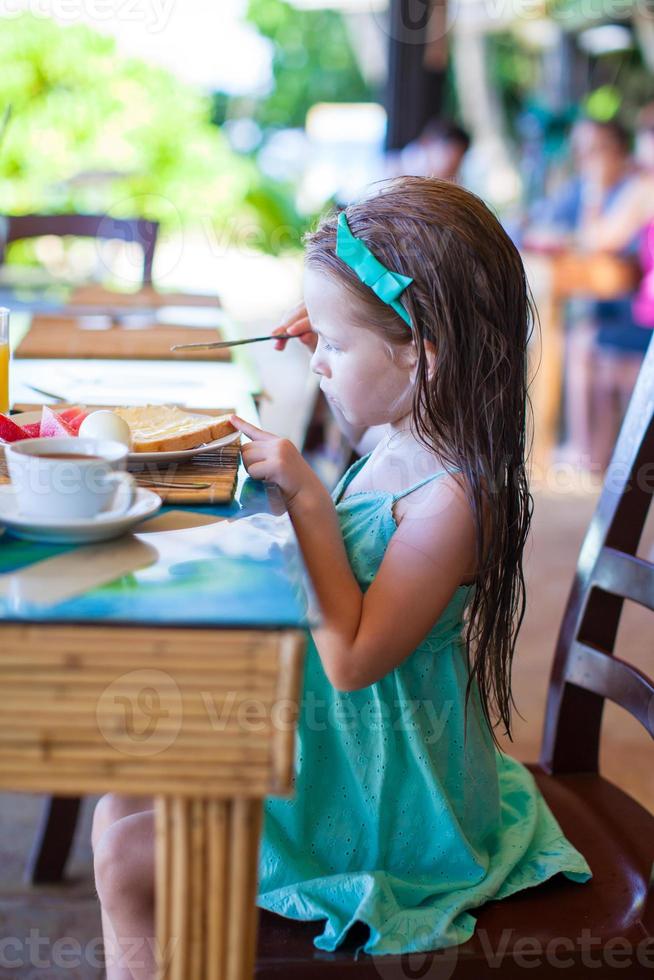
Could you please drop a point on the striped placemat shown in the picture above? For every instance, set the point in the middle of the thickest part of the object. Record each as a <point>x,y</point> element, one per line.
<point>50,336</point>
<point>213,475</point>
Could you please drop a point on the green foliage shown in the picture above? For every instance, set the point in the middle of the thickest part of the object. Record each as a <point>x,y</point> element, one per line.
<point>603,103</point>
<point>280,226</point>
<point>513,70</point>
<point>313,61</point>
<point>619,82</point>
<point>145,139</point>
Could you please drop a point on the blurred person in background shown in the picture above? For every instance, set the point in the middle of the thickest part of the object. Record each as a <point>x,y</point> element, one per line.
<point>615,228</point>
<point>627,225</point>
<point>439,151</point>
<point>603,334</point>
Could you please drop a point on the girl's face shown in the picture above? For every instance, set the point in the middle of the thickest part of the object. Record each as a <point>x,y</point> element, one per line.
<point>356,370</point>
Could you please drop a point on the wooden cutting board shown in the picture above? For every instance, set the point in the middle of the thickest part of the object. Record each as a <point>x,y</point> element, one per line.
<point>93,294</point>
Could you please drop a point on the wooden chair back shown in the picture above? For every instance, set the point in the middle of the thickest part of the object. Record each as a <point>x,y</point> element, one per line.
<point>99,226</point>
<point>586,671</point>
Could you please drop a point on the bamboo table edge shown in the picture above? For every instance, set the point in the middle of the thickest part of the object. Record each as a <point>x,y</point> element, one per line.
<point>206,839</point>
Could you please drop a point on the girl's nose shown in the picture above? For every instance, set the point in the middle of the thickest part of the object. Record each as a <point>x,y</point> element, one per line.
<point>317,363</point>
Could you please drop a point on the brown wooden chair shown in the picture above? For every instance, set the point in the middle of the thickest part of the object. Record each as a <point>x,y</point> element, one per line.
<point>15,228</point>
<point>560,928</point>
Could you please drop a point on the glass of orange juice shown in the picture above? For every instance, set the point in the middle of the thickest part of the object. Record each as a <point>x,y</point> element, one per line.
<point>4,359</point>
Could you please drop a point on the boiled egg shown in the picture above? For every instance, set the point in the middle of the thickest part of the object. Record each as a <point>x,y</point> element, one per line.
<point>104,424</point>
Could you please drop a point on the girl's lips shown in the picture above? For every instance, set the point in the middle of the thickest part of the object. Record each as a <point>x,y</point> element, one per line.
<point>328,395</point>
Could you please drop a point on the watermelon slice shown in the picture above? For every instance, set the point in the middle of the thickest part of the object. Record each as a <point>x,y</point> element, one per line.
<point>53,425</point>
<point>9,431</point>
<point>76,421</point>
<point>73,417</point>
<point>32,430</point>
<point>68,414</point>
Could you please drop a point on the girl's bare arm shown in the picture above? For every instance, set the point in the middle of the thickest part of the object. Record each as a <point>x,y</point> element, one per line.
<point>615,229</point>
<point>364,635</point>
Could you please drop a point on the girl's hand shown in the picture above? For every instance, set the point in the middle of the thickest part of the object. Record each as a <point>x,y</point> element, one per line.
<point>297,322</point>
<point>276,460</point>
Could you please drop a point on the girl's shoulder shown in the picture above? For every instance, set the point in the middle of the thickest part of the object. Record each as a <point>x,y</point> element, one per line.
<point>392,474</point>
<point>441,502</point>
<point>444,501</point>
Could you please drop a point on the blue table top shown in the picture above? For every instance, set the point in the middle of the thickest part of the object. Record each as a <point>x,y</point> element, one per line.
<point>245,570</point>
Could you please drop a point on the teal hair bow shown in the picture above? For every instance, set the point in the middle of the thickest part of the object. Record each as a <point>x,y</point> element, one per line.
<point>385,284</point>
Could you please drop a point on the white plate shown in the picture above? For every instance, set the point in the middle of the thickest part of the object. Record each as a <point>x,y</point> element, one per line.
<point>207,447</point>
<point>26,417</point>
<point>81,530</point>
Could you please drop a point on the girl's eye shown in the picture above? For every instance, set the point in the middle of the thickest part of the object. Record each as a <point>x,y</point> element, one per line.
<point>330,346</point>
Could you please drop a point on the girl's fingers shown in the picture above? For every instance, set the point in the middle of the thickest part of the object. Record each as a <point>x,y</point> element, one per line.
<point>310,340</point>
<point>280,344</point>
<point>252,452</point>
<point>299,328</point>
<point>257,471</point>
<point>286,322</point>
<point>250,430</point>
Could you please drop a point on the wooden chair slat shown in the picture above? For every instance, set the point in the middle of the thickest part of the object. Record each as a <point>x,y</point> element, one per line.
<point>615,679</point>
<point>628,576</point>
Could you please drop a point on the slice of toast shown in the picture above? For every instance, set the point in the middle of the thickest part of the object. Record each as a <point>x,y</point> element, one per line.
<point>165,428</point>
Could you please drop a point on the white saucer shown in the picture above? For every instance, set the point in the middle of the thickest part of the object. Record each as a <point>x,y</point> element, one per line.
<point>80,530</point>
<point>24,418</point>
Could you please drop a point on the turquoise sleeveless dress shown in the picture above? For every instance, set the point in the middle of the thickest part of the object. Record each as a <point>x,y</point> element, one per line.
<point>394,821</point>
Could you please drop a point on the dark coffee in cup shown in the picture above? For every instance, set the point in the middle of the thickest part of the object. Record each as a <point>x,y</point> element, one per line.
<point>67,456</point>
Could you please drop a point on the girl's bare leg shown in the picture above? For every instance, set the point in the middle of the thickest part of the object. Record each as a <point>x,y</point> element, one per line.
<point>124,876</point>
<point>109,811</point>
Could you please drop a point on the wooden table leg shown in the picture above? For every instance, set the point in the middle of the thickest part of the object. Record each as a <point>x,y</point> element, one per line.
<point>206,884</point>
<point>546,378</point>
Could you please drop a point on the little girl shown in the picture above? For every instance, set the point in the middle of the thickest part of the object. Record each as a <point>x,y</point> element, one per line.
<point>406,816</point>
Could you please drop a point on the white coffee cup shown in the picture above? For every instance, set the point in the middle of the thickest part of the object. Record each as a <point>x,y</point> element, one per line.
<point>70,478</point>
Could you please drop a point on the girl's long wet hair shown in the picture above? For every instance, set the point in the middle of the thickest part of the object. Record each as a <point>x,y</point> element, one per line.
<point>470,299</point>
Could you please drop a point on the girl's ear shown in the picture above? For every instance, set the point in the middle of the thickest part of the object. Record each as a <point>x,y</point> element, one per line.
<point>430,353</point>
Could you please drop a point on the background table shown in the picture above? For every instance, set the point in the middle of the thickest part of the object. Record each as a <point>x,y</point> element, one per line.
<point>94,322</point>
<point>169,663</point>
<point>191,384</point>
